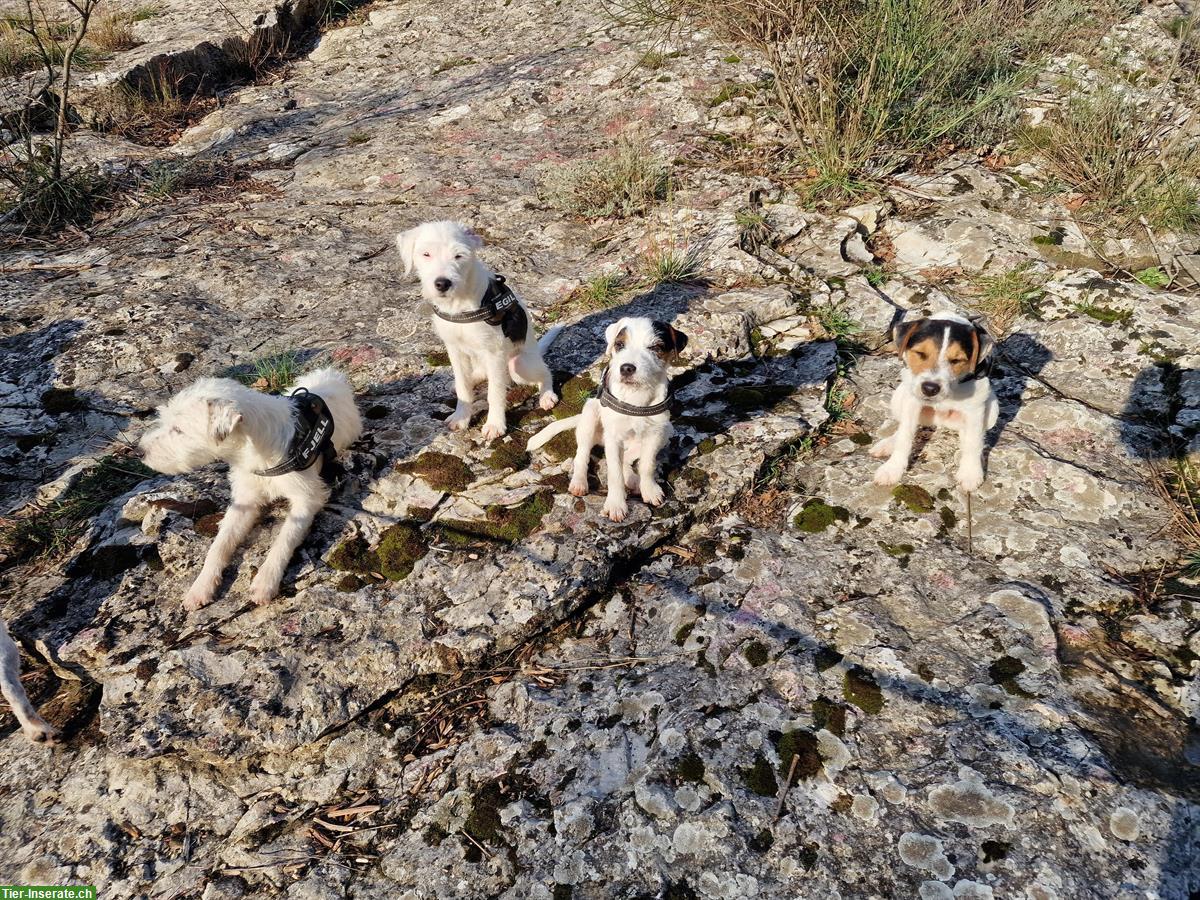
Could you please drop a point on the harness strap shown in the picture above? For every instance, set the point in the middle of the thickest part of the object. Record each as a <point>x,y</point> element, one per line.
<point>497,300</point>
<point>313,439</point>
<point>626,409</point>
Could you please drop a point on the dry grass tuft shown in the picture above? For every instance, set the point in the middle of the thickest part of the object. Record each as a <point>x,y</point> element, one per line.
<point>625,182</point>
<point>1006,297</point>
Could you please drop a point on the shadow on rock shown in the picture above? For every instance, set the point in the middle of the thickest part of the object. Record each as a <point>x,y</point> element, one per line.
<point>1019,359</point>
<point>1158,422</point>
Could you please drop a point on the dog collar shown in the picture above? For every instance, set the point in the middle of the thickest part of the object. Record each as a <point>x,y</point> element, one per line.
<point>313,439</point>
<point>498,300</point>
<point>625,409</point>
<point>983,371</point>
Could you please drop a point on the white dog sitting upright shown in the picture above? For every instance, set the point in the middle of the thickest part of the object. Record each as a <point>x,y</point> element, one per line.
<point>276,447</point>
<point>631,416</point>
<point>33,726</point>
<point>945,382</point>
<point>483,324</point>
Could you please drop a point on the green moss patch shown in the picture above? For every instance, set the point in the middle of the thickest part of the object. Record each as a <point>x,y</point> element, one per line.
<point>860,689</point>
<point>915,498</point>
<point>760,777</point>
<point>573,395</point>
<point>690,767</point>
<point>508,524</point>
<point>949,519</point>
<point>826,658</point>
<point>684,632</point>
<point>354,555</point>
<point>802,746</point>
<point>561,446</point>
<point>756,654</point>
<point>860,438</point>
<point>1004,672</point>
<point>817,515</point>
<point>760,396</point>
<point>1105,314</point>
<point>399,549</point>
<point>441,471</point>
<point>509,453</point>
<point>829,715</point>
<point>897,550</point>
<point>438,359</point>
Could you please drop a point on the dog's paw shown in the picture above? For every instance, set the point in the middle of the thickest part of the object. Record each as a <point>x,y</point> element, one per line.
<point>197,598</point>
<point>39,731</point>
<point>493,430</point>
<point>888,474</point>
<point>969,480</point>
<point>548,400</point>
<point>261,592</point>
<point>457,422</point>
<point>616,509</point>
<point>882,449</point>
<point>578,488</point>
<point>652,494</point>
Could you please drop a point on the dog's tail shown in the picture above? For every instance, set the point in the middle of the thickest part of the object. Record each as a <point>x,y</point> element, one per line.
<point>548,338</point>
<point>550,431</point>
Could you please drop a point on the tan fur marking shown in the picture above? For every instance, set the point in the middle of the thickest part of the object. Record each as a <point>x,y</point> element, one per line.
<point>620,336</point>
<point>912,356</point>
<point>962,359</point>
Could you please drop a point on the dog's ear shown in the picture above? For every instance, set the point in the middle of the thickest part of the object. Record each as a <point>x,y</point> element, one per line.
<point>406,243</point>
<point>474,241</point>
<point>673,341</point>
<point>984,343</point>
<point>611,332</point>
<point>903,333</point>
<point>223,418</point>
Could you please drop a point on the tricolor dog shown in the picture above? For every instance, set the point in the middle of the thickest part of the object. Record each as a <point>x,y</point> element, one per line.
<point>277,448</point>
<point>944,383</point>
<point>33,726</point>
<point>483,324</point>
<point>630,415</point>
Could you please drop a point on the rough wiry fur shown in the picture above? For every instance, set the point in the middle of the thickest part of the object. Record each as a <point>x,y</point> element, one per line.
<point>33,726</point>
<point>454,280</point>
<point>220,419</point>
<point>939,352</point>
<point>638,350</point>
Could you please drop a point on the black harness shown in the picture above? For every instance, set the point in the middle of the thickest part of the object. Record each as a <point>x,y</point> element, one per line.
<point>607,399</point>
<point>499,307</point>
<point>313,439</point>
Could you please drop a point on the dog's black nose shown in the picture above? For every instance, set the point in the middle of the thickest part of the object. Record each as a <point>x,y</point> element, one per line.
<point>930,388</point>
<point>443,284</point>
<point>628,369</point>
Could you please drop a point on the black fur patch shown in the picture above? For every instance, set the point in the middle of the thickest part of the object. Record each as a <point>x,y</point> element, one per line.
<point>515,324</point>
<point>672,341</point>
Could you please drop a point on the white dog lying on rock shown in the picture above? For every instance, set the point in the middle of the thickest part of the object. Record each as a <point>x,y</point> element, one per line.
<point>277,448</point>
<point>483,324</point>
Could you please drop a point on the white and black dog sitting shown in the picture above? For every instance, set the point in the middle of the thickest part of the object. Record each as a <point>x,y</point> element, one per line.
<point>33,726</point>
<point>277,448</point>
<point>630,416</point>
<point>483,324</point>
<point>945,382</point>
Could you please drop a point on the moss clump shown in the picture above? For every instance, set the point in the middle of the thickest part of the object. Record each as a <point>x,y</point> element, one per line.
<point>949,519</point>
<point>61,400</point>
<point>1004,672</point>
<point>917,499</point>
<point>801,746</point>
<point>441,471</point>
<point>558,483</point>
<point>1106,314</point>
<point>354,555</point>
<point>817,515</point>
<point>508,524</point>
<point>509,454</point>
<point>484,822</point>
<point>684,633</point>
<point>829,715</point>
<point>860,438</point>
<point>690,768</point>
<point>760,396</point>
<point>760,777</point>
<point>573,395</point>
<point>761,842</point>
<point>349,583</point>
<point>438,359</point>
<point>706,446</point>
<point>756,654</point>
<point>562,892</point>
<point>561,446</point>
<point>897,550</point>
<point>861,690</point>
<point>399,549</point>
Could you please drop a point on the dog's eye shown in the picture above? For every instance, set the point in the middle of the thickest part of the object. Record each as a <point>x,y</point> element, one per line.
<point>458,256</point>
<point>921,355</point>
<point>958,361</point>
<point>176,430</point>
<point>619,345</point>
<point>426,255</point>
